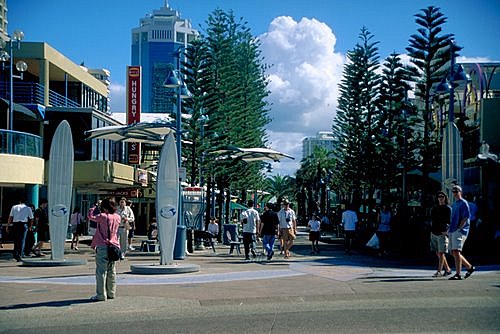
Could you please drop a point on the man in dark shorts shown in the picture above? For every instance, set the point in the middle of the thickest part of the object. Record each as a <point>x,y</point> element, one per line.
<point>42,226</point>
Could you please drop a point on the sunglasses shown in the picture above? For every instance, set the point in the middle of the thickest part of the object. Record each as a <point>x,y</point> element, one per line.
<point>441,196</point>
<point>454,191</point>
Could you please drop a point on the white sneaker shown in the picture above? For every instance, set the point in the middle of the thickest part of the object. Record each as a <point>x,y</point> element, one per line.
<point>131,248</point>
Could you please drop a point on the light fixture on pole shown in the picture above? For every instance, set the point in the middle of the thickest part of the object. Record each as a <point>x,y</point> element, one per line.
<point>451,147</point>
<point>174,80</point>
<point>21,66</point>
<point>203,121</point>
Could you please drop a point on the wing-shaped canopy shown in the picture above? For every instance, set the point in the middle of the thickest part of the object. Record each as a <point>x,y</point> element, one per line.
<point>251,154</point>
<point>151,133</point>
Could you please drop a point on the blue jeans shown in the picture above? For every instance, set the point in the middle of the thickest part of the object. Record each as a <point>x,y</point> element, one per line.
<point>268,242</point>
<point>19,231</point>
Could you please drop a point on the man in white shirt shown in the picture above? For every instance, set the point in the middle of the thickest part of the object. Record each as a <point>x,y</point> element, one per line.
<point>250,221</point>
<point>21,219</point>
<point>128,218</point>
<point>349,221</point>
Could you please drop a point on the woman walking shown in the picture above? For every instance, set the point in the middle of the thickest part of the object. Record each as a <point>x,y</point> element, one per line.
<point>106,234</point>
<point>440,214</point>
<point>76,221</point>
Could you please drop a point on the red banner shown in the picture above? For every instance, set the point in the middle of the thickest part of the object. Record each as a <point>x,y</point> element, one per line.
<point>134,109</point>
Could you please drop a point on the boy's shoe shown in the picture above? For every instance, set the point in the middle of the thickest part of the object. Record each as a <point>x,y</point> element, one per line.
<point>437,274</point>
<point>470,271</point>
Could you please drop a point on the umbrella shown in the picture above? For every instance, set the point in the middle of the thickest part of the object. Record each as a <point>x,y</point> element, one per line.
<point>251,154</point>
<point>151,133</point>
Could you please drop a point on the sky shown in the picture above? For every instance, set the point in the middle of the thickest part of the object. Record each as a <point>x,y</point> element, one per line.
<point>305,42</point>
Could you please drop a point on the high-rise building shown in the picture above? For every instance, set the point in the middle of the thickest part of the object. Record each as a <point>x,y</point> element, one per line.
<point>155,44</point>
<point>322,139</point>
<point>3,20</point>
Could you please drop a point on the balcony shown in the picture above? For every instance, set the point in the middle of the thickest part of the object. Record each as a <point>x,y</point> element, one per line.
<point>20,143</point>
<point>33,93</point>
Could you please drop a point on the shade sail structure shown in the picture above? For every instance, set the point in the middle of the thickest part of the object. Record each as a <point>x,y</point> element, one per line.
<point>151,133</point>
<point>251,154</point>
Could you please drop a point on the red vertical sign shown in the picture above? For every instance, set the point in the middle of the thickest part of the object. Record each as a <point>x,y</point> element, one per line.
<point>134,109</point>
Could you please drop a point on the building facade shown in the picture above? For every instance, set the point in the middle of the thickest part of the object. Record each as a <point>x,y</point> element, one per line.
<point>155,46</point>
<point>322,139</point>
<point>53,89</point>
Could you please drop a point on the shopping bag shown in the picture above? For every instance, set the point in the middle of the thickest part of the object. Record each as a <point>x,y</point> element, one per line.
<point>373,242</point>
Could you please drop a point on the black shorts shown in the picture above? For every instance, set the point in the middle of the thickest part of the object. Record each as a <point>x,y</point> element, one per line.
<point>42,233</point>
<point>314,235</point>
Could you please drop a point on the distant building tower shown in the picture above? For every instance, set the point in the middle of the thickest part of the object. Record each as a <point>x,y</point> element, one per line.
<point>154,46</point>
<point>323,139</point>
<point>3,20</point>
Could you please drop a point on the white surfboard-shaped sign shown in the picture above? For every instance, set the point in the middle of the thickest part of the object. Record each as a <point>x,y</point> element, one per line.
<point>167,199</point>
<point>451,158</point>
<point>60,185</point>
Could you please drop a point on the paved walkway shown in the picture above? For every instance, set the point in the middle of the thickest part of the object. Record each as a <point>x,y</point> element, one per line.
<point>221,267</point>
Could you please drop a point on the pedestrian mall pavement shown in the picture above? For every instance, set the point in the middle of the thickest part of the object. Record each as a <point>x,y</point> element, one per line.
<point>221,266</point>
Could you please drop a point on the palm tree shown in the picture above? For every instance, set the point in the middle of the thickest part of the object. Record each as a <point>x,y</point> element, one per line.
<point>280,186</point>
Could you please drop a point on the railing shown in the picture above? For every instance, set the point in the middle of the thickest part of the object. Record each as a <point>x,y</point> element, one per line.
<point>58,100</point>
<point>20,143</point>
<point>33,93</point>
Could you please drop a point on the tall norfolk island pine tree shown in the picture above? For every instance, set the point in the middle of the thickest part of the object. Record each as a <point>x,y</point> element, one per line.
<point>370,128</point>
<point>355,125</point>
<point>429,52</point>
<point>229,83</point>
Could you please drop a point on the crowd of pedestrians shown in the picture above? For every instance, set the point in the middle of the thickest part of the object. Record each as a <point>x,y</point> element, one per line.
<point>450,226</point>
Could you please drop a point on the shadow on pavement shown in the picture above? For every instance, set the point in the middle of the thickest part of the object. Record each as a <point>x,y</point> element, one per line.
<point>60,303</point>
<point>400,280</point>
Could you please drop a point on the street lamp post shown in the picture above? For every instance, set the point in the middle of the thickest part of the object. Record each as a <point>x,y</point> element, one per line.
<point>21,66</point>
<point>174,80</point>
<point>203,120</point>
<point>452,159</point>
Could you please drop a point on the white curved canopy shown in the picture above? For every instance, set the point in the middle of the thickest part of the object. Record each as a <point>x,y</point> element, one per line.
<point>151,133</point>
<point>251,154</point>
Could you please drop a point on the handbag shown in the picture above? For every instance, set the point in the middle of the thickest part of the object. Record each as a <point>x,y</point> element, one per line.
<point>114,252</point>
<point>373,242</point>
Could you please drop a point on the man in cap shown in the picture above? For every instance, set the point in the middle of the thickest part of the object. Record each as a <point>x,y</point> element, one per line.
<point>458,231</point>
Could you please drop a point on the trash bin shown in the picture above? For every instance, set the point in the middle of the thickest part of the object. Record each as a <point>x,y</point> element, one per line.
<point>232,230</point>
<point>180,243</point>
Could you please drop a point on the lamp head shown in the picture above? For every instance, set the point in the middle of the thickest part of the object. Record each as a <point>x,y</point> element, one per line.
<point>4,56</point>
<point>18,35</point>
<point>444,87</point>
<point>172,80</point>
<point>459,75</point>
<point>185,93</point>
<point>21,66</point>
